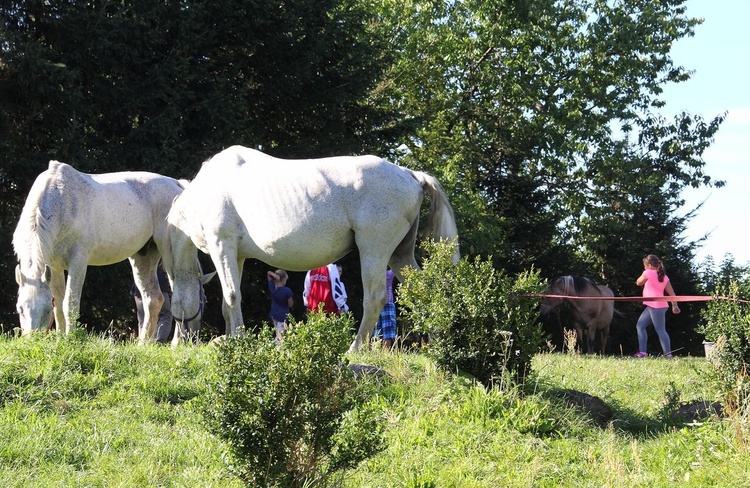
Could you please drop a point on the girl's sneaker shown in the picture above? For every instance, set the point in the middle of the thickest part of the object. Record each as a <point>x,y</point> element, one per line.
<point>640,355</point>
<point>668,356</point>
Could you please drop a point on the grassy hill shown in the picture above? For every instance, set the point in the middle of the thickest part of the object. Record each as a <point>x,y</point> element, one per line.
<point>84,411</point>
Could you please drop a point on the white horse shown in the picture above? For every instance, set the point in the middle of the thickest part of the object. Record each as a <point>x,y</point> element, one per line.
<point>72,220</point>
<point>299,215</point>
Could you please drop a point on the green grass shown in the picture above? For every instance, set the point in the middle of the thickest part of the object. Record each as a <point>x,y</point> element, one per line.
<point>83,411</point>
<point>447,432</point>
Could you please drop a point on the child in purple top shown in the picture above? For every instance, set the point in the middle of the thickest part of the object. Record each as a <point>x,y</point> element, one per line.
<point>281,301</point>
<point>654,282</point>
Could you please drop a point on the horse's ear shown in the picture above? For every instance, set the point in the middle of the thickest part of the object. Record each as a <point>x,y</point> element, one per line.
<point>19,275</point>
<point>47,276</point>
<point>207,277</point>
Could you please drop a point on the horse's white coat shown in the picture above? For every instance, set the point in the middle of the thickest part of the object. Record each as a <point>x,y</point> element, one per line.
<point>72,220</point>
<point>299,215</point>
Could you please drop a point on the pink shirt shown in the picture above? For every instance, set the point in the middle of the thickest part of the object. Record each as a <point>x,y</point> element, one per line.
<point>654,288</point>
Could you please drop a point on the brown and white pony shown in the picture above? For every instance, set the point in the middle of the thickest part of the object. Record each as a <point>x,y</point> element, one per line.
<point>593,316</point>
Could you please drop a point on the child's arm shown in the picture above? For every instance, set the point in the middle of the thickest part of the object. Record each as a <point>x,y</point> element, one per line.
<point>641,279</point>
<point>671,293</point>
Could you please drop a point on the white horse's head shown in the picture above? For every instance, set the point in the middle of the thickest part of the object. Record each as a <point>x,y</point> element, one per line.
<point>34,305</point>
<point>189,325</point>
<point>187,280</point>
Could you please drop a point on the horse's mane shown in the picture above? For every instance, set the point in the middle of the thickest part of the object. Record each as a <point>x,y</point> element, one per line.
<point>577,285</point>
<point>32,239</point>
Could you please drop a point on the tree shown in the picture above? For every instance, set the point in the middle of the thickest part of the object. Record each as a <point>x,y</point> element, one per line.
<point>540,119</point>
<point>162,86</point>
<point>728,273</point>
<point>537,116</point>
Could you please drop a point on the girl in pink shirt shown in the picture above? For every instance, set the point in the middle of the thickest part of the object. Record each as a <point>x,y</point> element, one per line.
<point>654,282</point>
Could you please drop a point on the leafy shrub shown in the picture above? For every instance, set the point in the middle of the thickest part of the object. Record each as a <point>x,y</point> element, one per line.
<point>727,324</point>
<point>292,415</point>
<point>473,314</point>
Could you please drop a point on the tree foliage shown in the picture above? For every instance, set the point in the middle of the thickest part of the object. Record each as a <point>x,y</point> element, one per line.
<point>540,117</point>
<point>162,86</point>
<point>727,273</point>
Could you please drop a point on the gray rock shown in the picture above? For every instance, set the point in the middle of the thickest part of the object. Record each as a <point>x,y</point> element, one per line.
<point>594,406</point>
<point>697,410</point>
<point>362,370</point>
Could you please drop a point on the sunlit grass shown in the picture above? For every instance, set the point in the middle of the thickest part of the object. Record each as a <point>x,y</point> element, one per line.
<point>84,411</point>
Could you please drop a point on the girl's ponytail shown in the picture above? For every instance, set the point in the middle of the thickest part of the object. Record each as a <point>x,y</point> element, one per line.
<point>654,261</point>
<point>660,271</point>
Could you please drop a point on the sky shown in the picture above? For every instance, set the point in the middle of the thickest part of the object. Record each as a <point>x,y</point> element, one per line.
<point>719,54</point>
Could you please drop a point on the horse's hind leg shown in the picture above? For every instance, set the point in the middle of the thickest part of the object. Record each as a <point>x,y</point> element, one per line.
<point>144,274</point>
<point>373,242</point>
<point>603,335</point>
<point>373,300</point>
<point>404,253</point>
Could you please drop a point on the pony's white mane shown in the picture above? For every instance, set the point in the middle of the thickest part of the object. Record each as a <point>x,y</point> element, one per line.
<point>578,286</point>
<point>567,285</point>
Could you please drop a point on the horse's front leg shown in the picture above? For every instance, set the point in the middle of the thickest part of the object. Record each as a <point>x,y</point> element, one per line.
<point>592,331</point>
<point>228,267</point>
<point>57,286</point>
<point>227,311</point>
<point>72,300</point>
<point>580,337</point>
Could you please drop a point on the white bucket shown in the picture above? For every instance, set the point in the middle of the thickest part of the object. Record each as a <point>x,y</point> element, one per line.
<point>708,349</point>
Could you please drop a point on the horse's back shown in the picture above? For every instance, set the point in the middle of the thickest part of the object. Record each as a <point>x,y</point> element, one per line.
<point>108,216</point>
<point>605,291</point>
<point>240,166</point>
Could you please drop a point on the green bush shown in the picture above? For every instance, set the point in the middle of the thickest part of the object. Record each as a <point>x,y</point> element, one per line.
<point>473,314</point>
<point>294,414</point>
<point>727,324</point>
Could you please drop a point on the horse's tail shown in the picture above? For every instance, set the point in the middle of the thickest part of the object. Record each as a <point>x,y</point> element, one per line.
<point>441,222</point>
